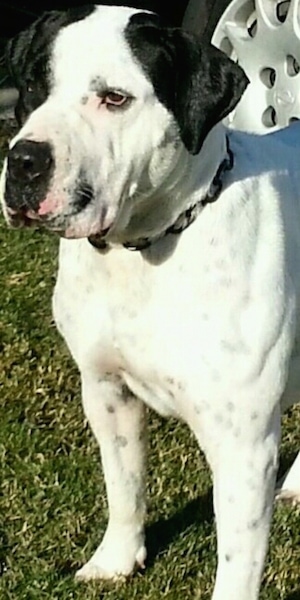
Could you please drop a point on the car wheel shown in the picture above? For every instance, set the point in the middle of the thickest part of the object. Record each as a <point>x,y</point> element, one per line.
<point>263,36</point>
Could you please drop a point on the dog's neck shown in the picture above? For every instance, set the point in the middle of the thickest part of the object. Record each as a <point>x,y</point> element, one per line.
<point>188,181</point>
<point>191,182</point>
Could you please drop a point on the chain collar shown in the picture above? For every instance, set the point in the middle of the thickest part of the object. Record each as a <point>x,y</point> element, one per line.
<point>186,218</point>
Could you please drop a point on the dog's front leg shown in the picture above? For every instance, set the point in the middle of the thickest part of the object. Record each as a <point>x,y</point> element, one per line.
<point>117,419</point>
<point>244,480</point>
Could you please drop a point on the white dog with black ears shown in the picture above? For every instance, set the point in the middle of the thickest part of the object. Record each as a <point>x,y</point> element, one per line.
<point>121,148</point>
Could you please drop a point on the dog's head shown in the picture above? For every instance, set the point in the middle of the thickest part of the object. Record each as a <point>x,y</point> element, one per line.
<point>108,97</point>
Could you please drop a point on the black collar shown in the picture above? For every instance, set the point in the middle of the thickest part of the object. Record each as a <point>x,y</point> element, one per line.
<point>186,218</point>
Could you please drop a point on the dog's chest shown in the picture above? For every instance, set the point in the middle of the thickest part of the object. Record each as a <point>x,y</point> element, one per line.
<point>168,331</point>
<point>122,322</point>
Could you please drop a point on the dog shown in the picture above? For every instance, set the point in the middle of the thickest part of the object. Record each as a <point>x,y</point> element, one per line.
<point>178,285</point>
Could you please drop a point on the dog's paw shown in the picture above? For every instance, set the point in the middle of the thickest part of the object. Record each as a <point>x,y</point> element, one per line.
<point>288,496</point>
<point>93,571</point>
<point>115,563</point>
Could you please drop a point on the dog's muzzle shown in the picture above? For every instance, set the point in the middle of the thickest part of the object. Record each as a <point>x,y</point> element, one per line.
<point>30,167</point>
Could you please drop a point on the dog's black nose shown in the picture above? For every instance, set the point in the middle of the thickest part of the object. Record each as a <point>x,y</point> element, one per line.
<point>28,160</point>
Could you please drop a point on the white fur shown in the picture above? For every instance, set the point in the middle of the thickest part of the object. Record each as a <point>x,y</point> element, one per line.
<point>203,326</point>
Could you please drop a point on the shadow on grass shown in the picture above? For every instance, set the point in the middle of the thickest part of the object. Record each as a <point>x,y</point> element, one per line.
<point>287,458</point>
<point>294,595</point>
<point>161,534</point>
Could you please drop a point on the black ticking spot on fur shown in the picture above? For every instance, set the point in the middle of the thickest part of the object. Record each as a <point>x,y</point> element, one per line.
<point>121,441</point>
<point>107,376</point>
<point>252,525</point>
<point>228,557</point>
<point>110,409</point>
<point>142,437</point>
<point>197,83</point>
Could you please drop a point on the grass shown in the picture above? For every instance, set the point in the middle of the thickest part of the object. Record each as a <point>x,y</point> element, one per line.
<point>52,503</point>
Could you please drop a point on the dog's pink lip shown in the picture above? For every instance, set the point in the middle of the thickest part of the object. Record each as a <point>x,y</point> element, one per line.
<point>27,217</point>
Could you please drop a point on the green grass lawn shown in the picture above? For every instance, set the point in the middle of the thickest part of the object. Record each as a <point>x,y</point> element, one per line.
<point>52,501</point>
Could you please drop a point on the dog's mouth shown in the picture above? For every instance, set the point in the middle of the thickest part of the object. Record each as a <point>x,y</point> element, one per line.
<point>72,214</point>
<point>65,225</point>
<point>27,205</point>
<point>28,218</point>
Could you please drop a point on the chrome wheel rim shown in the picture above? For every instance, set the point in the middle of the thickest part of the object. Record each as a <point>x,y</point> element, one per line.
<point>263,36</point>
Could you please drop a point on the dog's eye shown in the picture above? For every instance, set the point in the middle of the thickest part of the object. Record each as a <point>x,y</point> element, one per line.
<point>115,99</point>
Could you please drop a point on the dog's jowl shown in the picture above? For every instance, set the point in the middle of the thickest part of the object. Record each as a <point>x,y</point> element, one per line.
<point>178,283</point>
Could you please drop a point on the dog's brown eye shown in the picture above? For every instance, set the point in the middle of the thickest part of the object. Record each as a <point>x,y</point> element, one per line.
<point>115,99</point>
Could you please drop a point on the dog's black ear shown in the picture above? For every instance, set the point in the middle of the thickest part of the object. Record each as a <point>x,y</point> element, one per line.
<point>198,83</point>
<point>16,55</point>
<point>26,48</point>
<point>27,61</point>
<point>209,86</point>
<point>27,57</point>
